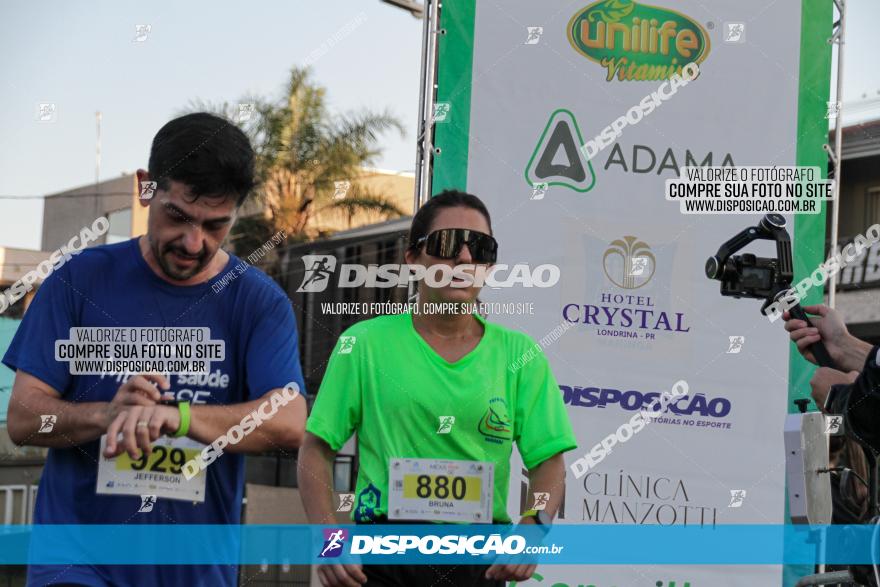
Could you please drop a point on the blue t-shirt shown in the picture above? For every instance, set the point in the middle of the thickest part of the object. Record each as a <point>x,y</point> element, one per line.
<point>112,286</point>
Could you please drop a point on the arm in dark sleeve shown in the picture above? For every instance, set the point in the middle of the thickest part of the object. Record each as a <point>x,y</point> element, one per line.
<point>861,406</point>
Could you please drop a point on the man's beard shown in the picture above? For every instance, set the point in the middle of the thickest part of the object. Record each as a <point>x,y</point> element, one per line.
<point>168,268</point>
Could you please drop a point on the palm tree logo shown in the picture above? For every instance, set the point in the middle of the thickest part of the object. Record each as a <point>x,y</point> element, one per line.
<point>629,263</point>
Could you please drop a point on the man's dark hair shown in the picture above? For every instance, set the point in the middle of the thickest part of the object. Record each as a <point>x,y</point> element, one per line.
<point>446,199</point>
<point>208,154</point>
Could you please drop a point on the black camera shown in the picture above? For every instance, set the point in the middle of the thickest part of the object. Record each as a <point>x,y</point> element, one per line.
<point>749,276</point>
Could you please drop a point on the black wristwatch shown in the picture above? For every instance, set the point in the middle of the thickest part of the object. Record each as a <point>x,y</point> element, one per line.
<point>542,519</point>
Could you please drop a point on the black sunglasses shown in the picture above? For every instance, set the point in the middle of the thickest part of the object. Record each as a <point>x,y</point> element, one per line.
<point>447,242</point>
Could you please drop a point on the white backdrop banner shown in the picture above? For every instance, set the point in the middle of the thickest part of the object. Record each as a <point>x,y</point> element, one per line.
<point>523,86</point>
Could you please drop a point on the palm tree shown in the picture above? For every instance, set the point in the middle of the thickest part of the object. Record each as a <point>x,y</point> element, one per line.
<point>302,151</point>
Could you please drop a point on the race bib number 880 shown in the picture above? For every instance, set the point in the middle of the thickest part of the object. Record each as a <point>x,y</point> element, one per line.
<point>442,487</point>
<point>433,490</point>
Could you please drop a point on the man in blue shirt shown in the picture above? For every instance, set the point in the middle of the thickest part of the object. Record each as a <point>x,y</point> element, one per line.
<point>203,167</point>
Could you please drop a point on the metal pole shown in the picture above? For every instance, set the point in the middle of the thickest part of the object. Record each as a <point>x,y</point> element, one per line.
<point>97,210</point>
<point>424,150</point>
<point>98,148</point>
<point>838,144</point>
<point>420,123</point>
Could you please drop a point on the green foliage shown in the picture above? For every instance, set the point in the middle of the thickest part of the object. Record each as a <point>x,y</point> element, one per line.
<point>302,149</point>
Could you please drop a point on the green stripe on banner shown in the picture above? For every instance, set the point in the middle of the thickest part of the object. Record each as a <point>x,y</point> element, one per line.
<point>455,61</point>
<point>809,229</point>
<point>809,244</point>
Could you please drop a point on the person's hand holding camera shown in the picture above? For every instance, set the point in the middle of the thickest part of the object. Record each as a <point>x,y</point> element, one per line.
<point>847,351</point>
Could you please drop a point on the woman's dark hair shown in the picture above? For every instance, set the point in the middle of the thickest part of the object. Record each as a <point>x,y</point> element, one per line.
<point>425,216</point>
<point>207,153</point>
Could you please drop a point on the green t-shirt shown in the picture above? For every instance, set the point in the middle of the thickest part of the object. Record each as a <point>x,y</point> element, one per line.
<point>386,383</point>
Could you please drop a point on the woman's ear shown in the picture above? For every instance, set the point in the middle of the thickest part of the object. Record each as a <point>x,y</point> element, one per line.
<point>410,256</point>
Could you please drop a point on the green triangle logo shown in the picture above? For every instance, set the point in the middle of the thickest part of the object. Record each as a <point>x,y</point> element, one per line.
<point>558,159</point>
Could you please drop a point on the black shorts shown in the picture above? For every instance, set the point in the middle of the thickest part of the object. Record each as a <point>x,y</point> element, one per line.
<point>428,576</point>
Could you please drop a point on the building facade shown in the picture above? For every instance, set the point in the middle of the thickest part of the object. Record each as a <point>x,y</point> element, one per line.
<point>858,290</point>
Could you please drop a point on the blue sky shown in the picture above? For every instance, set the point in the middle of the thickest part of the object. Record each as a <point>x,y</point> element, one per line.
<point>81,56</point>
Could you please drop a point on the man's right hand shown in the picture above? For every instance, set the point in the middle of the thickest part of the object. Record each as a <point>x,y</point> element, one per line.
<point>822,381</point>
<point>341,575</point>
<point>827,326</point>
<point>137,391</point>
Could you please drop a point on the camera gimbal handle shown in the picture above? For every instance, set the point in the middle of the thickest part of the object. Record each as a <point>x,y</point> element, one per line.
<point>823,357</point>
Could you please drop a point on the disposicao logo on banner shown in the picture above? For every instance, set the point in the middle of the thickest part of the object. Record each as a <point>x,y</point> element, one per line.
<point>637,42</point>
<point>334,540</point>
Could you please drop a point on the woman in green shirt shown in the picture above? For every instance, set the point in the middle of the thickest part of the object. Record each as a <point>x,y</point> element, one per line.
<point>437,401</point>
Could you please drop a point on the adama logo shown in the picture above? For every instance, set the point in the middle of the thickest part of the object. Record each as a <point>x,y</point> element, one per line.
<point>637,42</point>
<point>558,158</point>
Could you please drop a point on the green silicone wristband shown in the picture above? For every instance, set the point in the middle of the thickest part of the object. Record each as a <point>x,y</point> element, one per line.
<point>183,408</point>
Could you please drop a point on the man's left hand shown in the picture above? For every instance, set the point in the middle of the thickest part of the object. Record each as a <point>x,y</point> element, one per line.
<point>140,426</point>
